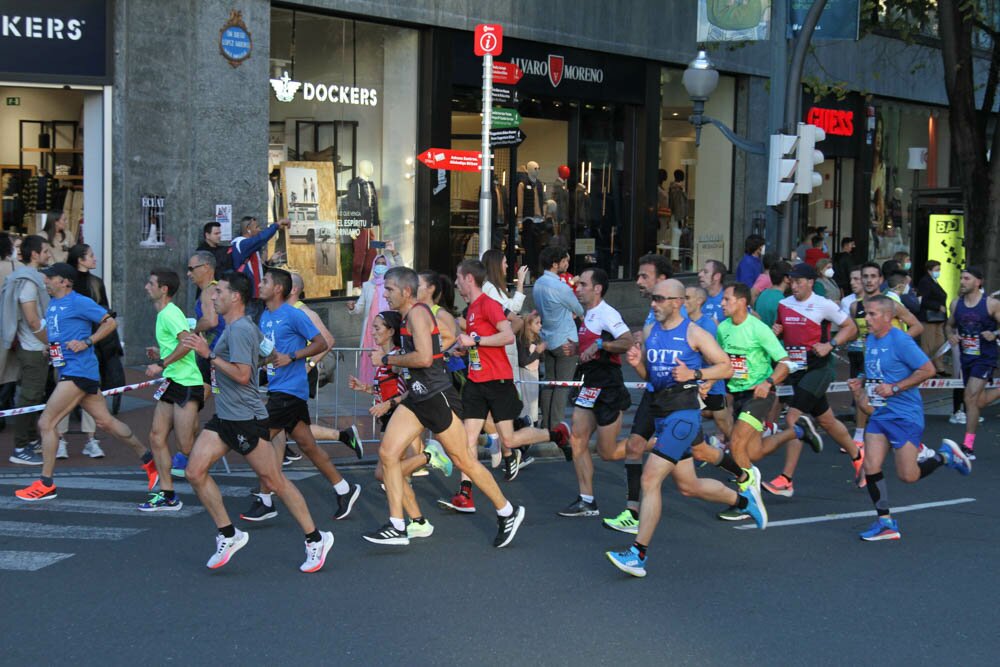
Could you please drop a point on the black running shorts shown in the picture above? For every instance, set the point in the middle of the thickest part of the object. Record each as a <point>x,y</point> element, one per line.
<point>240,436</point>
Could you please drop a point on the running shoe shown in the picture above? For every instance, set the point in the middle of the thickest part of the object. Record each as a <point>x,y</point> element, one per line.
<point>345,502</point>
<point>352,439</point>
<point>755,506</point>
<point>26,456</point>
<point>954,457</point>
<point>291,454</point>
<point>93,449</point>
<point>562,431</point>
<point>387,535</point>
<point>714,443</point>
<point>178,465</point>
<point>628,561</point>
<point>460,502</point>
<point>969,453</point>
<point>149,467</point>
<point>493,447</point>
<point>507,527</point>
<point>420,472</point>
<point>859,469</point>
<point>624,523</point>
<point>36,491</point>
<point>525,459</point>
<point>414,529</point>
<point>580,507</point>
<point>316,552</point>
<point>438,459</point>
<point>811,435</point>
<point>733,513</point>
<point>512,465</point>
<point>780,486</point>
<point>61,452</point>
<point>159,503</point>
<point>883,529</point>
<point>225,547</point>
<point>925,453</point>
<point>259,511</point>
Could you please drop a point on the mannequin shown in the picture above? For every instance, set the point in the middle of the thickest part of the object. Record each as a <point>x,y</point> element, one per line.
<point>663,232</point>
<point>560,194</point>
<point>362,198</point>
<point>529,193</point>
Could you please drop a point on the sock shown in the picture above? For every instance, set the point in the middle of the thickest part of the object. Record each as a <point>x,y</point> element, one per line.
<point>228,531</point>
<point>970,440</point>
<point>342,487</point>
<point>266,499</point>
<point>506,510</point>
<point>927,466</point>
<point>397,524</point>
<point>641,548</point>
<point>586,499</point>
<point>466,488</point>
<point>859,435</point>
<point>742,502</point>
<point>168,494</point>
<point>879,493</point>
<point>47,481</point>
<point>314,536</point>
<point>633,481</point>
<point>147,457</point>
<point>421,520</point>
<point>729,465</point>
<point>634,511</point>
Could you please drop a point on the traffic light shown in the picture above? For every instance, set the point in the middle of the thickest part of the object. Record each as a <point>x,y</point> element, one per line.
<point>781,169</point>
<point>808,157</point>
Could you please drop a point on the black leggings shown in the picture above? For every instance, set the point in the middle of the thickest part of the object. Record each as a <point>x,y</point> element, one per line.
<point>957,400</point>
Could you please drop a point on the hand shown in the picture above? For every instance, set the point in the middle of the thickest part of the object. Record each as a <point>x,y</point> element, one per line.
<point>277,258</point>
<point>76,346</point>
<point>541,347</point>
<point>380,409</point>
<point>855,385</point>
<point>589,353</point>
<point>153,370</point>
<point>522,276</point>
<point>634,355</point>
<point>884,390</point>
<point>376,357</point>
<point>285,223</point>
<point>356,384</point>
<point>351,305</point>
<point>391,247</point>
<point>704,388</point>
<point>569,348</point>
<point>762,390</point>
<point>954,340</point>
<point>279,360</point>
<point>197,343</point>
<point>989,336</point>
<point>682,373</point>
<point>777,329</point>
<point>466,340</point>
<point>152,353</point>
<point>822,349</point>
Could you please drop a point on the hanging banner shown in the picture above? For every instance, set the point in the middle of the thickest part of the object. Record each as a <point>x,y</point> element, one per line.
<point>946,244</point>
<point>841,19</point>
<point>729,21</point>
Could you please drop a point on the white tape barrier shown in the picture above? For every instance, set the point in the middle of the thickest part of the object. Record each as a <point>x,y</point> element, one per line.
<point>835,387</point>
<point>107,392</point>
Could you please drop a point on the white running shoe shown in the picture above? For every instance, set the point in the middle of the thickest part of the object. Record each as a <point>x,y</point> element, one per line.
<point>61,452</point>
<point>316,552</point>
<point>225,547</point>
<point>958,417</point>
<point>93,449</point>
<point>493,447</point>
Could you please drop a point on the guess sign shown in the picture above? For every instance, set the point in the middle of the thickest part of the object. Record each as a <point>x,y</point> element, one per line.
<point>839,122</point>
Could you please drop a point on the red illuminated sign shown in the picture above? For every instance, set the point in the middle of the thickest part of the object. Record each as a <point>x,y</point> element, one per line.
<point>838,122</point>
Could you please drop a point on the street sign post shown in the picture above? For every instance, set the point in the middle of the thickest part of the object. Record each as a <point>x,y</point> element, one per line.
<point>504,95</point>
<point>454,160</point>
<point>489,40</point>
<point>504,118</point>
<point>488,43</point>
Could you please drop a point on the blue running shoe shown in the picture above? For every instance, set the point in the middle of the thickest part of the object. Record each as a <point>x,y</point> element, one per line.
<point>954,457</point>
<point>178,465</point>
<point>883,529</point>
<point>755,506</point>
<point>628,561</point>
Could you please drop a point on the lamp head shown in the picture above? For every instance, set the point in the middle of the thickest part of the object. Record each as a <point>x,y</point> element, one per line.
<point>700,78</point>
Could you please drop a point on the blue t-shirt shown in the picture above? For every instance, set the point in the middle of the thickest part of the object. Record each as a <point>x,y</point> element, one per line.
<point>73,317</point>
<point>650,317</point>
<point>891,359</point>
<point>709,325</point>
<point>664,348</point>
<point>290,330</point>
<point>713,307</point>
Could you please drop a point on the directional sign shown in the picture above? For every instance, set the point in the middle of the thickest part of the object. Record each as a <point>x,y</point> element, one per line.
<point>506,137</point>
<point>489,40</point>
<point>503,118</point>
<point>445,158</point>
<point>502,95</point>
<point>506,74</point>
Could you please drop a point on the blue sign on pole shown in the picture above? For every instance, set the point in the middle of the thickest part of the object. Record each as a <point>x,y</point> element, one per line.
<point>235,43</point>
<point>840,19</point>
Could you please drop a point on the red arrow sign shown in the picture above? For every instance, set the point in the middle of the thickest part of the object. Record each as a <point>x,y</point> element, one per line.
<point>445,158</point>
<point>506,74</point>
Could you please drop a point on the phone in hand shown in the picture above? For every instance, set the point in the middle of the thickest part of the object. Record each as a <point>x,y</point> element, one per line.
<point>378,244</point>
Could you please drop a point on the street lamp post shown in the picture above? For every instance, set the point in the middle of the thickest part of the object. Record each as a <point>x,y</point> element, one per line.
<point>700,81</point>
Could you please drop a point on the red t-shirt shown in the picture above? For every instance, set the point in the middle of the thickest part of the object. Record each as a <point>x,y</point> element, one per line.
<point>813,255</point>
<point>486,363</point>
<point>388,384</point>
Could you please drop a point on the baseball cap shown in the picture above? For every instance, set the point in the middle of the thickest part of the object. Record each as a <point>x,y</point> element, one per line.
<point>60,270</point>
<point>975,271</point>
<point>803,271</point>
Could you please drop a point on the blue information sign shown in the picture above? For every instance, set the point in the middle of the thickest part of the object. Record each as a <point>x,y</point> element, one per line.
<point>840,18</point>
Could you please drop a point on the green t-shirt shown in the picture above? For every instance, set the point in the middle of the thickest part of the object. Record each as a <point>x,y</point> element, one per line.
<point>752,348</point>
<point>169,322</point>
<point>766,305</point>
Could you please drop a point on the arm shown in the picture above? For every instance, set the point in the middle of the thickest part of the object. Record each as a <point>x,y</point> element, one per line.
<point>503,337</point>
<point>316,346</point>
<point>209,318</point>
<point>636,358</point>
<point>914,327</point>
<point>104,330</point>
<point>247,246</point>
<point>949,326</point>
<point>448,328</point>
<point>239,373</point>
<point>919,376</point>
<point>327,336</point>
<point>158,366</point>
<point>704,343</point>
<point>993,308</point>
<point>29,310</point>
<point>566,297</point>
<point>857,387</point>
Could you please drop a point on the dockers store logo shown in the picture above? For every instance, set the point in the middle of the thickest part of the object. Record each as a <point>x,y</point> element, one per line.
<point>285,89</point>
<point>556,69</point>
<point>41,27</point>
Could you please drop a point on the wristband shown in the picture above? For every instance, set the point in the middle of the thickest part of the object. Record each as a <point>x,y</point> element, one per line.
<point>770,380</point>
<point>89,341</point>
<point>697,374</point>
<point>159,362</point>
<point>600,343</point>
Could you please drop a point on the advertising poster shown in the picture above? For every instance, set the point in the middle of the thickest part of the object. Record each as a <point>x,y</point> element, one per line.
<point>312,243</point>
<point>224,216</point>
<point>733,20</point>
<point>946,244</point>
<point>841,19</point>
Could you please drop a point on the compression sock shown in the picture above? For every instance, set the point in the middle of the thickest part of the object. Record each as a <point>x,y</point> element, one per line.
<point>633,480</point>
<point>970,441</point>
<point>314,536</point>
<point>228,531</point>
<point>47,481</point>
<point>729,465</point>
<point>147,457</point>
<point>927,466</point>
<point>879,492</point>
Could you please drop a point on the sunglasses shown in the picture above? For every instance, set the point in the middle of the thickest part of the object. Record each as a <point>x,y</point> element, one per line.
<point>659,298</point>
<point>196,266</point>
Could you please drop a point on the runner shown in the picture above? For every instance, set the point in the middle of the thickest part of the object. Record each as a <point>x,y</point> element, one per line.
<point>603,398</point>
<point>894,368</point>
<point>972,328</point>
<point>677,355</point>
<point>294,338</point>
<point>240,425</point>
<point>715,398</point>
<point>181,395</point>
<point>430,404</point>
<point>711,278</point>
<point>804,325</point>
<point>69,322</point>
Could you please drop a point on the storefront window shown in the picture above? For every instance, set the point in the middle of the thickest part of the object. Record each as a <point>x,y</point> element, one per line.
<point>342,146</point>
<point>693,229</point>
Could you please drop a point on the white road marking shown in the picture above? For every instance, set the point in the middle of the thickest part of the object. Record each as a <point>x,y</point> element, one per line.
<point>29,561</point>
<point>858,515</point>
<point>49,531</point>
<point>95,507</point>
<point>138,487</point>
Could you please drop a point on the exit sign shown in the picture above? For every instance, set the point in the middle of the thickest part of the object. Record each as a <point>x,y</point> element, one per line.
<point>13,101</point>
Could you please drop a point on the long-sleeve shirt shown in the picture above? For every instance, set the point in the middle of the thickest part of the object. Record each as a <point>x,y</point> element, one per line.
<point>247,258</point>
<point>749,268</point>
<point>556,304</point>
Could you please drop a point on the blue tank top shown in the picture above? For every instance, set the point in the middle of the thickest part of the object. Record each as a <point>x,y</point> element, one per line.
<point>664,349</point>
<point>971,323</point>
<point>212,335</point>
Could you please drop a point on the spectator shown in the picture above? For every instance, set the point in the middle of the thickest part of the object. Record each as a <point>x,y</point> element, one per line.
<point>370,304</point>
<point>8,261</point>
<point>764,279</point>
<point>55,231</point>
<point>557,305</point>
<point>842,263</point>
<point>766,306</point>
<point>530,347</point>
<point>495,287</point>
<point>903,259</point>
<point>751,266</point>
<point>889,267</point>
<point>826,286</point>
<point>933,312</point>
<point>899,282</point>
<point>211,241</point>
<point>803,247</point>
<point>248,251</point>
<point>816,252</point>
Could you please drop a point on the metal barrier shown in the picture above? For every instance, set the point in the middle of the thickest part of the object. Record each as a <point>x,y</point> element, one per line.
<point>355,404</point>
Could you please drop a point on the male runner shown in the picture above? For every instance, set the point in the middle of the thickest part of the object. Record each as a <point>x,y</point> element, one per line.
<point>804,324</point>
<point>894,368</point>
<point>715,398</point>
<point>603,397</point>
<point>675,357</point>
<point>69,320</point>
<point>711,279</point>
<point>240,425</point>
<point>430,403</point>
<point>972,328</point>
<point>180,396</point>
<point>294,338</point>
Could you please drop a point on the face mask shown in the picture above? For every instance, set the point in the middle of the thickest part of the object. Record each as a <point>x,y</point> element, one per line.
<point>828,272</point>
<point>907,265</point>
<point>763,249</point>
<point>380,270</point>
<point>935,274</point>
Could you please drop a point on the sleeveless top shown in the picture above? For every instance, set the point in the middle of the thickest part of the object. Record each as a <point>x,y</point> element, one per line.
<point>212,335</point>
<point>664,349</point>
<point>971,323</point>
<point>858,344</point>
<point>451,362</point>
<point>424,383</point>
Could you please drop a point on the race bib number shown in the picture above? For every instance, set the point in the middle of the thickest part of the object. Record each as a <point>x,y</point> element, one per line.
<point>215,385</point>
<point>739,363</point>
<point>587,397</point>
<point>784,390</point>
<point>797,354</point>
<point>970,345</point>
<point>874,399</point>
<point>56,355</point>
<point>474,362</point>
<point>162,389</point>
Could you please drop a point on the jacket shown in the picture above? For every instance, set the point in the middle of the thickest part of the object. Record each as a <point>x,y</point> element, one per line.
<point>10,315</point>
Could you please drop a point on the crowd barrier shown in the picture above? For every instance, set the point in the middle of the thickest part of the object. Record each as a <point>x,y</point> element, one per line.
<point>107,392</point>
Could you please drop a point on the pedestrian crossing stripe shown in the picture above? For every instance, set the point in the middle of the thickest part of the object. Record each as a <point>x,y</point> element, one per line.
<point>102,484</point>
<point>46,531</point>
<point>29,561</point>
<point>105,507</point>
